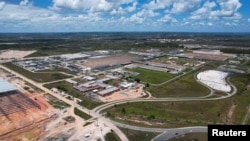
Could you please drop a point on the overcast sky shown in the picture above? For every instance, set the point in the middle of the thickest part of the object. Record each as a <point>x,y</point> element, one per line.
<point>124,15</point>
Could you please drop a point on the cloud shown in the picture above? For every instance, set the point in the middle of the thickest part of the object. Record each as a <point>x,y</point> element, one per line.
<point>230,24</point>
<point>2,4</point>
<point>17,17</point>
<point>182,6</point>
<point>93,5</point>
<point>132,8</point>
<point>210,24</point>
<point>119,11</point>
<point>206,8</point>
<point>226,9</point>
<point>167,19</point>
<point>248,20</point>
<point>158,4</point>
<point>122,11</point>
<point>24,3</point>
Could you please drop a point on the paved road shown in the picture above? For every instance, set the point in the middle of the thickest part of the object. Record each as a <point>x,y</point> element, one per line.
<point>168,133</point>
<point>171,133</point>
<point>72,103</point>
<point>96,112</point>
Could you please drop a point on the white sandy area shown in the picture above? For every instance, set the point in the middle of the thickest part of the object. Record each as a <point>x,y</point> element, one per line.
<point>17,54</point>
<point>91,132</point>
<point>124,94</point>
<point>215,80</point>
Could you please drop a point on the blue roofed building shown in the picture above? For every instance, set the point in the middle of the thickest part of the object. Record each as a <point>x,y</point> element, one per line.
<point>6,86</point>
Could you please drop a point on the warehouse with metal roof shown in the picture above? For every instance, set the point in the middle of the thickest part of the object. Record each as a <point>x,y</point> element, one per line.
<point>6,86</point>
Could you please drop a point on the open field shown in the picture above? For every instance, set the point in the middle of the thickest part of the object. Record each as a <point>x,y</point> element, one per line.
<point>179,114</point>
<point>111,136</point>
<point>66,87</point>
<point>110,60</point>
<point>56,103</point>
<point>17,54</point>
<point>185,86</point>
<point>133,135</point>
<point>39,77</point>
<point>151,76</point>
<point>56,70</point>
<point>191,137</point>
<point>177,60</point>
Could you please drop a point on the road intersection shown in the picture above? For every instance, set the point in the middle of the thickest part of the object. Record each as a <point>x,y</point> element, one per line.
<point>96,112</point>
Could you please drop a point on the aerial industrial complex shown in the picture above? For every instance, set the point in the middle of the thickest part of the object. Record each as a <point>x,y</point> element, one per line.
<point>86,87</point>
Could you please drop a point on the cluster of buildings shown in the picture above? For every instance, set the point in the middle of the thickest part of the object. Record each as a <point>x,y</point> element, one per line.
<point>100,87</point>
<point>148,54</point>
<point>72,62</point>
<point>207,54</point>
<point>66,61</point>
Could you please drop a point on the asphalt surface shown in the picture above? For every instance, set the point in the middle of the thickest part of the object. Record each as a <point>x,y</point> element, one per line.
<point>171,133</point>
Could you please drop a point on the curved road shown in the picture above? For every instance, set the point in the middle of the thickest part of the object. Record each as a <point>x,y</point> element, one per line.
<point>167,133</point>
<point>96,112</point>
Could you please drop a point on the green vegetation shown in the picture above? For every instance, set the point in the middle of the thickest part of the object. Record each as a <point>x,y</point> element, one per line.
<point>185,86</point>
<point>134,135</point>
<point>188,69</point>
<point>39,77</point>
<point>111,136</point>
<point>56,103</point>
<point>68,88</point>
<point>80,80</point>
<point>191,137</point>
<point>87,123</point>
<point>152,76</point>
<point>236,50</point>
<point>241,82</point>
<point>57,70</point>
<point>81,114</point>
<point>186,113</point>
<point>113,82</point>
<point>176,60</point>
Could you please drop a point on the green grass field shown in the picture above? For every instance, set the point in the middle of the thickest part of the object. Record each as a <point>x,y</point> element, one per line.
<point>66,87</point>
<point>185,86</point>
<point>179,114</point>
<point>151,76</point>
<point>134,135</point>
<point>58,70</point>
<point>81,114</point>
<point>38,77</point>
<point>111,136</point>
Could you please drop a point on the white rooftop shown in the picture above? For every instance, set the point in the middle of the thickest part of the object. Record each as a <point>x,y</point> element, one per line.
<point>74,56</point>
<point>6,86</point>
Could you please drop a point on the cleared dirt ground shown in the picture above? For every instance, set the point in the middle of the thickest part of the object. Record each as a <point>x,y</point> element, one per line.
<point>109,60</point>
<point>125,94</point>
<point>17,54</point>
<point>23,121</point>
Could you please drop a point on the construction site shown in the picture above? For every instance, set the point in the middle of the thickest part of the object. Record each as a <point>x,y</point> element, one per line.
<point>20,111</point>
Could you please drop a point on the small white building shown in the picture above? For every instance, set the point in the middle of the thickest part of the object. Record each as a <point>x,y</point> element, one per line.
<point>125,85</point>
